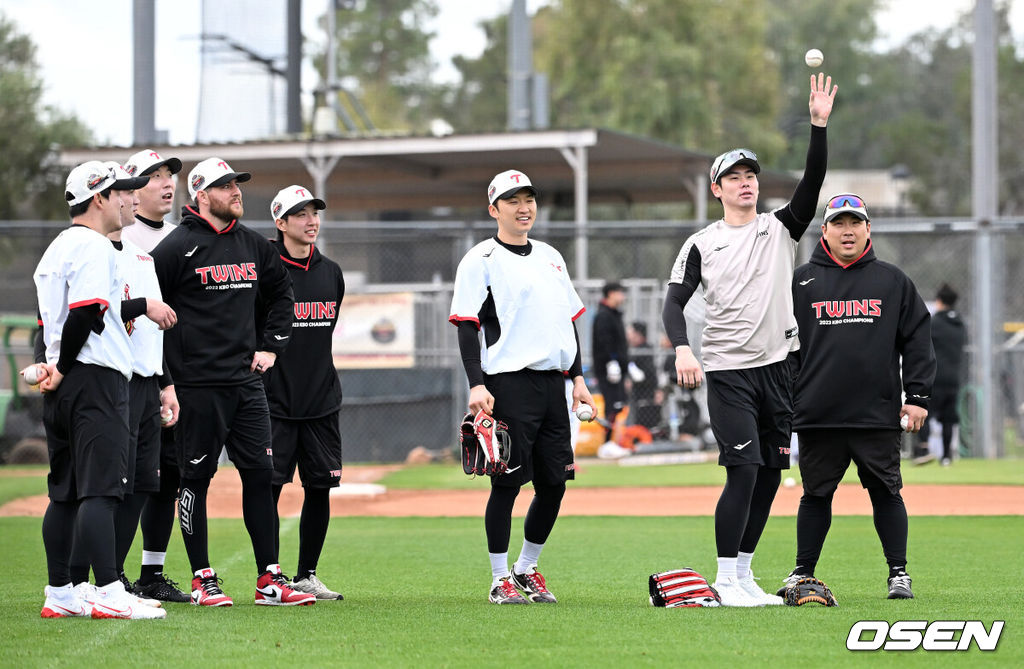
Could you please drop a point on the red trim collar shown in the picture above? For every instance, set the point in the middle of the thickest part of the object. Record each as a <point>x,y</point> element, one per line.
<point>828,252</point>
<point>309,259</point>
<point>204,220</point>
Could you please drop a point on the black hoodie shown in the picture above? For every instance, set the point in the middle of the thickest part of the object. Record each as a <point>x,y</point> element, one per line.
<point>948,337</point>
<point>303,382</point>
<point>855,324</point>
<point>213,280</point>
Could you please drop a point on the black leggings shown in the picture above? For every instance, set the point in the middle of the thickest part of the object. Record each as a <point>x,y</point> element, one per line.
<point>540,518</point>
<point>744,507</point>
<point>313,523</point>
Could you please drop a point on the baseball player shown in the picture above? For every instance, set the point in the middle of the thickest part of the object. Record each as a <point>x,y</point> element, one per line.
<point>156,199</point>
<point>863,328</point>
<point>85,413</point>
<point>212,271</point>
<point>611,353</point>
<point>515,309</point>
<point>744,263</point>
<point>303,389</point>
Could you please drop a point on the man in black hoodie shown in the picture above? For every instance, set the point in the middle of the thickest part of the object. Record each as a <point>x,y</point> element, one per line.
<point>948,338</point>
<point>213,270</point>
<point>861,324</point>
<point>303,389</point>
<point>611,352</point>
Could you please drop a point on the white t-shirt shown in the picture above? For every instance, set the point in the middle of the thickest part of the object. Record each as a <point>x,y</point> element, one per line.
<point>746,272</point>
<point>78,268</point>
<point>135,266</point>
<point>144,236</point>
<point>534,301</point>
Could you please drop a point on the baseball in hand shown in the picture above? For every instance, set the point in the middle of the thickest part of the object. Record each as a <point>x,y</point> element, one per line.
<point>789,482</point>
<point>814,58</point>
<point>165,416</point>
<point>34,374</point>
<point>584,412</point>
<point>905,422</point>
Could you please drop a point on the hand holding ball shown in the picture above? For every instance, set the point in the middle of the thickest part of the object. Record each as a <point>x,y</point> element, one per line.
<point>34,374</point>
<point>584,412</point>
<point>165,416</point>
<point>814,58</point>
<point>905,422</point>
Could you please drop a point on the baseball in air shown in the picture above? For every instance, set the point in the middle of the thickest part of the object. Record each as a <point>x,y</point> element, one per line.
<point>584,412</point>
<point>814,58</point>
<point>165,416</point>
<point>905,422</point>
<point>34,374</point>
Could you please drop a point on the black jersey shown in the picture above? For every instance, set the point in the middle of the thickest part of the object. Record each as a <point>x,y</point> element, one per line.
<point>213,281</point>
<point>303,382</point>
<point>864,339</point>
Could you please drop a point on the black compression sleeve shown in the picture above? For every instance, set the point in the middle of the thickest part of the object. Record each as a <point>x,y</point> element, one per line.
<point>576,369</point>
<point>800,211</point>
<point>39,351</point>
<point>76,331</point>
<point>133,308</point>
<point>469,348</point>
<point>672,313</point>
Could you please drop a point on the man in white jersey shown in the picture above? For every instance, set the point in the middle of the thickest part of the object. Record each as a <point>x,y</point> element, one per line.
<point>85,411</point>
<point>156,199</point>
<point>744,263</point>
<point>515,309</point>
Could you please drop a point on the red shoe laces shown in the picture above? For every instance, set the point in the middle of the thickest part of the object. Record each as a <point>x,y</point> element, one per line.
<point>537,581</point>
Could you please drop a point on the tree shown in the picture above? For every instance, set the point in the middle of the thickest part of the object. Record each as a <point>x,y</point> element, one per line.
<point>31,183</point>
<point>384,59</point>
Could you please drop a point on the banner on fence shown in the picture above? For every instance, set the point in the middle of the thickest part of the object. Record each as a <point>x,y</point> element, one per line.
<point>375,331</point>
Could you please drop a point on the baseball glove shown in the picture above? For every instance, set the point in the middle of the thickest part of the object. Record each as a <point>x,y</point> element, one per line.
<point>809,591</point>
<point>681,588</point>
<point>485,445</point>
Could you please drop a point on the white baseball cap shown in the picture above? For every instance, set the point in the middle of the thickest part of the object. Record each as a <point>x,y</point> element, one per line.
<point>212,172</point>
<point>731,159</point>
<point>146,161</point>
<point>291,199</point>
<point>93,177</point>
<point>845,203</point>
<point>507,184</point>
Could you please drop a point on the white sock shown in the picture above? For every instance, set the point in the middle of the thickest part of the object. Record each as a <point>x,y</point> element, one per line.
<point>499,567</point>
<point>528,557</point>
<point>743,564</point>
<point>726,569</point>
<point>153,558</point>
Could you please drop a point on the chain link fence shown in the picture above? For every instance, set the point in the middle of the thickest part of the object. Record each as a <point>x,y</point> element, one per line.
<point>388,412</point>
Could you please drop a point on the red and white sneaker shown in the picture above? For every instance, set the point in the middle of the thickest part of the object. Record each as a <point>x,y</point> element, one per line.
<point>64,602</point>
<point>533,586</point>
<point>273,589</point>
<point>206,589</point>
<point>112,601</point>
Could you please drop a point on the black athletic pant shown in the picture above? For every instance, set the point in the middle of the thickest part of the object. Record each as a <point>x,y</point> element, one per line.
<point>95,541</point>
<point>157,521</point>
<point>744,507</point>
<point>313,523</point>
<point>540,518</point>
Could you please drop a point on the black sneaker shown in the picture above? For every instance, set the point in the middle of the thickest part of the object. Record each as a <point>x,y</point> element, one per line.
<point>162,589</point>
<point>506,593</point>
<point>899,586</point>
<point>533,586</point>
<point>792,579</point>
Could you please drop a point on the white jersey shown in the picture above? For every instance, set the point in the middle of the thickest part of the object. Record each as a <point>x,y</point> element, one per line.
<point>77,269</point>
<point>746,272</point>
<point>534,306</point>
<point>145,236</point>
<point>135,267</point>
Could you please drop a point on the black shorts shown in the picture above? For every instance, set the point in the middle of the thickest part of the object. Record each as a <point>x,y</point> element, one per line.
<point>87,434</point>
<point>235,417</point>
<point>825,456</point>
<point>144,423</point>
<point>752,414</point>
<point>314,444</point>
<point>532,404</point>
<point>942,405</point>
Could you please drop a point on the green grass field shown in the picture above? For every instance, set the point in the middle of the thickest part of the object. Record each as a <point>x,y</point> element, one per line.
<point>416,596</point>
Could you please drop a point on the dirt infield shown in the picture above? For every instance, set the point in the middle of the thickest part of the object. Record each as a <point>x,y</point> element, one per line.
<point>354,500</point>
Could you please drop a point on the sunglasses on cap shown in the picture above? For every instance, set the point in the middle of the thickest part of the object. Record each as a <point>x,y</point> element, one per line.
<point>727,160</point>
<point>845,200</point>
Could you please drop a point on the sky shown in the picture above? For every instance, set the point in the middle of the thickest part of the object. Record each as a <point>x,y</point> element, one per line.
<point>64,31</point>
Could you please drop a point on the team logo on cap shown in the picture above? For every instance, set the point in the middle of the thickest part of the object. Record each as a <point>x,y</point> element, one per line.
<point>95,180</point>
<point>490,192</point>
<point>277,209</point>
<point>198,181</point>
<point>131,169</point>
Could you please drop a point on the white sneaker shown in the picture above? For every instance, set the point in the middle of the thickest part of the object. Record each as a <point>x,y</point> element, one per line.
<point>314,586</point>
<point>64,603</point>
<point>111,601</point>
<point>733,594</point>
<point>86,592</point>
<point>750,586</point>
